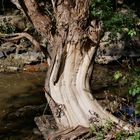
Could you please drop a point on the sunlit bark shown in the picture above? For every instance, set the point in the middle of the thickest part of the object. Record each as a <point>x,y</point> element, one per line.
<point>67,85</point>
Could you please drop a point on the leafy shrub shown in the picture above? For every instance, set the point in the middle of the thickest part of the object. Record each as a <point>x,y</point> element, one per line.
<point>135,88</point>
<point>7,28</point>
<point>117,75</point>
<point>134,136</point>
<point>122,20</point>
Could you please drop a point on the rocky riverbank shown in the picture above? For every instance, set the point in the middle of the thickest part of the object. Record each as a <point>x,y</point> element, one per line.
<point>20,54</point>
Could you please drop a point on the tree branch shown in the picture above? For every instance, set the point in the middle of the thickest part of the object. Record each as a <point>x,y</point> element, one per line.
<point>42,23</point>
<point>81,9</point>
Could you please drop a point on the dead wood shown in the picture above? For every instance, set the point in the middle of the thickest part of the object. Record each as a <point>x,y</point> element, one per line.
<point>48,128</point>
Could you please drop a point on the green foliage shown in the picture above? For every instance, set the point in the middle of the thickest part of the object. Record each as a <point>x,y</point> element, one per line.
<point>7,28</point>
<point>97,132</point>
<point>135,136</point>
<point>101,9</point>
<point>133,81</point>
<point>100,133</point>
<point>120,135</point>
<point>135,84</point>
<point>135,87</point>
<point>108,126</point>
<point>137,105</point>
<point>116,20</point>
<point>132,33</point>
<point>117,75</point>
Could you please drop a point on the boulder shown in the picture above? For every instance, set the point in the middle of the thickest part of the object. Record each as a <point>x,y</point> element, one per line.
<point>30,57</point>
<point>132,47</point>
<point>7,48</point>
<point>110,49</point>
<point>2,54</point>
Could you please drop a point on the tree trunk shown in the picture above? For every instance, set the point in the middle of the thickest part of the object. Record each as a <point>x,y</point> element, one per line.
<point>74,45</point>
<point>73,102</point>
<point>69,77</point>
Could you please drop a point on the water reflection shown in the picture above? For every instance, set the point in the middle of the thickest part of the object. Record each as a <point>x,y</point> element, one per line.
<point>21,98</point>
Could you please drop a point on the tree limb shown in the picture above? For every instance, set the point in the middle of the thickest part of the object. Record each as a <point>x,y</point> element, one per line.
<point>42,23</point>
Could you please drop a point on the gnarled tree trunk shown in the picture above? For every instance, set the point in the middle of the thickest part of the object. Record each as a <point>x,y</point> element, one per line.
<point>74,45</point>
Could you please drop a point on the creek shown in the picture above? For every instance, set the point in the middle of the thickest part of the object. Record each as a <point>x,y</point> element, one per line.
<point>22,98</point>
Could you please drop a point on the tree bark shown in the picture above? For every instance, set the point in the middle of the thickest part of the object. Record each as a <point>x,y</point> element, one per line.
<point>67,86</point>
<point>73,102</point>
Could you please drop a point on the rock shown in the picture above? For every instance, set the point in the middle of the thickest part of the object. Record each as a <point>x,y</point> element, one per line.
<point>8,48</point>
<point>132,48</point>
<point>36,131</point>
<point>25,61</point>
<point>109,50</point>
<point>9,64</point>
<point>14,20</point>
<point>113,49</point>
<point>13,120</point>
<point>46,124</point>
<point>30,57</point>
<point>12,68</point>
<point>132,51</point>
<point>2,54</point>
<point>2,69</point>
<point>21,49</point>
<point>8,51</point>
